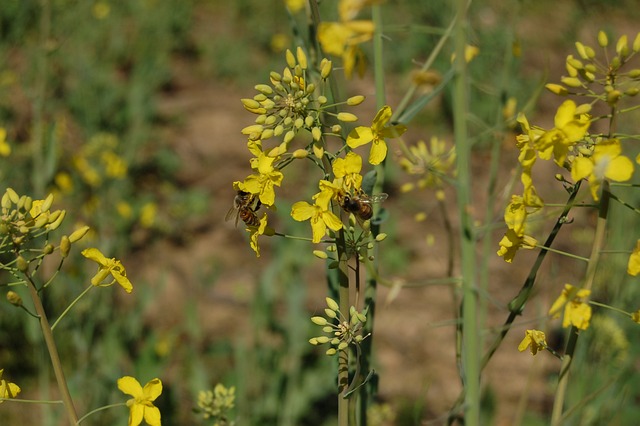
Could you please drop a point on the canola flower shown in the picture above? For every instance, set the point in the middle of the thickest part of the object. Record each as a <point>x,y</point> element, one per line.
<point>7,389</point>
<point>344,330</point>
<point>577,311</point>
<point>533,339</point>
<point>376,135</point>
<point>141,405</point>
<point>108,267</point>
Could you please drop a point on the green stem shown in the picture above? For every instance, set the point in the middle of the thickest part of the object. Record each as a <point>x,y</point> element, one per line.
<point>53,351</point>
<point>470,346</point>
<point>106,407</point>
<point>564,253</point>
<point>71,305</point>
<point>598,243</point>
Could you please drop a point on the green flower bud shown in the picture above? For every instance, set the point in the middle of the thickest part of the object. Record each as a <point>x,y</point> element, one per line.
<point>634,73</point>
<point>266,134</point>
<point>41,221</point>
<point>613,97</point>
<point>603,41</point>
<point>48,249</point>
<point>259,97</point>
<point>53,225</point>
<point>622,47</point>
<point>319,253</point>
<point>327,329</point>
<point>265,89</point>
<point>250,103</point>
<point>331,352</point>
<point>14,298</point>
<point>278,130</point>
<point>330,313</point>
<point>289,136</point>
<point>355,100</point>
<point>309,120</point>
<point>557,89</point>
<point>310,88</point>
<point>302,58</point>
<point>571,81</point>
<point>298,123</point>
<point>336,128</point>
<point>322,339</point>
<point>632,91</point>
<point>22,264</point>
<point>381,237</point>
<point>319,321</point>
<point>314,341</point>
<point>316,133</point>
<point>322,99</point>
<point>347,117</point>
<point>46,204</point>
<point>636,43</point>
<point>342,346</point>
<point>332,304</point>
<point>65,246</point>
<point>291,60</point>
<point>275,78</point>
<point>6,201</point>
<point>13,196</point>
<point>325,68</point>
<point>299,154</point>
<point>575,63</point>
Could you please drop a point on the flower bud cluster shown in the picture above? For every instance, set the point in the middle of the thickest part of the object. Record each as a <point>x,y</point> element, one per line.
<point>586,71</point>
<point>23,218</point>
<point>343,331</point>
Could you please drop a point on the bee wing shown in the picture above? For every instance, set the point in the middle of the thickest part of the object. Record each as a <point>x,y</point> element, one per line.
<point>378,198</point>
<point>232,211</point>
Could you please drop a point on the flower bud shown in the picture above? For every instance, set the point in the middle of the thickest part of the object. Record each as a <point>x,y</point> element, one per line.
<point>14,298</point>
<point>571,81</point>
<point>65,246</point>
<point>22,264</point>
<point>325,68</point>
<point>613,97</point>
<point>355,100</point>
<point>575,63</point>
<point>622,47</point>
<point>632,91</point>
<point>381,237</point>
<point>319,321</point>
<point>48,249</point>
<point>265,89</point>
<point>289,136</point>
<point>316,133</point>
<point>347,117</point>
<point>332,304</point>
<point>634,73</point>
<point>557,89</point>
<point>603,40</point>
<point>322,99</point>
<point>46,204</point>
<point>302,58</point>
<point>13,196</point>
<point>636,43</point>
<point>275,77</point>
<point>78,234</point>
<point>319,253</point>
<point>250,104</point>
<point>291,60</point>
<point>330,313</point>
<point>300,154</point>
<point>53,225</point>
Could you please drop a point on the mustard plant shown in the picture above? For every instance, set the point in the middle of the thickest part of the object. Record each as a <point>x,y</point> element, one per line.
<point>26,229</point>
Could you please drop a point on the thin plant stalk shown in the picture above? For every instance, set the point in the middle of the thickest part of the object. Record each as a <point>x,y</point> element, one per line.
<point>598,243</point>
<point>53,352</point>
<point>470,347</point>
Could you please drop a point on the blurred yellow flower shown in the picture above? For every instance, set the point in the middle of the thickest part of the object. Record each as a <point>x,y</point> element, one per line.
<point>341,39</point>
<point>141,405</point>
<point>148,214</point>
<point>633,267</point>
<point>577,311</point>
<point>108,267</point>
<point>295,5</point>
<point>534,339</point>
<point>7,389</point>
<point>101,10</point>
<point>5,148</point>
<point>605,163</point>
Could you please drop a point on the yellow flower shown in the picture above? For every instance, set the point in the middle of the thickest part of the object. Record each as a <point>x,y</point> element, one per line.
<point>577,311</point>
<point>347,171</point>
<point>263,182</point>
<point>526,142</point>
<point>320,217</point>
<point>341,39</point>
<point>636,316</point>
<point>141,405</point>
<point>432,162</point>
<point>605,163</point>
<point>633,267</point>
<point>7,389</point>
<point>570,127</point>
<point>511,242</point>
<point>5,148</point>
<point>328,191</point>
<point>376,134</point>
<point>256,231</point>
<point>108,267</point>
<point>534,338</point>
<point>148,214</point>
<point>515,215</point>
<point>295,5</point>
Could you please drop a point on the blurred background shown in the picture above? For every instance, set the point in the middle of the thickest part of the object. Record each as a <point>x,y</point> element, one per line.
<point>130,113</point>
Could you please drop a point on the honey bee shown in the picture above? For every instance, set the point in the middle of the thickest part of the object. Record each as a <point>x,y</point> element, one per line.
<point>361,204</point>
<point>244,207</point>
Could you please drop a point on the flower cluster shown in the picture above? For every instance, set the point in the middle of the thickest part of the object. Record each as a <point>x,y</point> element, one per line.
<point>216,404</point>
<point>24,218</point>
<point>430,163</point>
<point>293,109</point>
<point>344,331</point>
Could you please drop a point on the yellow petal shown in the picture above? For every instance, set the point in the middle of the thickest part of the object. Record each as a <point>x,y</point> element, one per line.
<point>302,211</point>
<point>95,255</point>
<point>619,169</point>
<point>332,220</point>
<point>123,281</point>
<point>130,386</point>
<point>633,267</point>
<point>378,152</point>
<point>136,414</point>
<point>581,168</point>
<point>152,416</point>
<point>360,136</point>
<point>152,389</point>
